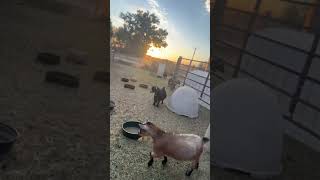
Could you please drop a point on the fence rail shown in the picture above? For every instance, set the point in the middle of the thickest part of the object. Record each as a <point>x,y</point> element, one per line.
<point>186,76</point>
<point>303,76</point>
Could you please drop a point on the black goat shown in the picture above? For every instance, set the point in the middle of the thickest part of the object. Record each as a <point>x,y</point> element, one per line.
<point>159,95</point>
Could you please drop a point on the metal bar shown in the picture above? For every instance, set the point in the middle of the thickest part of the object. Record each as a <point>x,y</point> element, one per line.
<point>265,38</point>
<point>217,14</point>
<point>316,81</point>
<point>204,101</point>
<point>187,72</point>
<point>302,101</point>
<point>195,89</point>
<point>304,74</point>
<point>250,27</point>
<point>195,60</point>
<point>301,126</point>
<point>283,22</point>
<point>260,80</point>
<point>259,57</point>
<point>205,84</point>
<point>190,73</point>
<point>195,81</point>
<point>218,76</point>
<point>193,68</point>
<point>301,3</point>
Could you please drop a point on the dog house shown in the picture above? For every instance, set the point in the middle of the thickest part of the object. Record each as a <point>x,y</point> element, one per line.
<point>247,129</point>
<point>184,101</point>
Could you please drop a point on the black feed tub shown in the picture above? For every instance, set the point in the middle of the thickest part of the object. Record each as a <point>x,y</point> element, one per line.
<point>8,137</point>
<point>131,129</point>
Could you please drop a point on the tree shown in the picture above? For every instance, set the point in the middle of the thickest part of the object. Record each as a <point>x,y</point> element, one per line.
<point>139,32</point>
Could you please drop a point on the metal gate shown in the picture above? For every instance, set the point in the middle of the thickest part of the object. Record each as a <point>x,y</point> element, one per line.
<point>232,49</point>
<point>194,73</point>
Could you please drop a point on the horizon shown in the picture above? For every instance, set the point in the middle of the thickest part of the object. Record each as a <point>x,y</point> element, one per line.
<point>178,20</point>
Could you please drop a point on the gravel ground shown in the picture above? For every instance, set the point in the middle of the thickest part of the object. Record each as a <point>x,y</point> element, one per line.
<point>129,157</point>
<point>62,130</point>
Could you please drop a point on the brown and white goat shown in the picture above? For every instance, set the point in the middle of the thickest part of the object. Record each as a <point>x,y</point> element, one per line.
<point>183,147</point>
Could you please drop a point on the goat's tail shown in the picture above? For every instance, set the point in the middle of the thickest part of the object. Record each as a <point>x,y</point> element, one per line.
<point>205,140</point>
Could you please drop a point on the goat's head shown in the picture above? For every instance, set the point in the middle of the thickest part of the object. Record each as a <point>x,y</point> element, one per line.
<point>149,129</point>
<point>154,89</point>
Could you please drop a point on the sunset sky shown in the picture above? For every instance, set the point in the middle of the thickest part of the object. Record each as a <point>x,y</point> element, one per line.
<point>187,22</point>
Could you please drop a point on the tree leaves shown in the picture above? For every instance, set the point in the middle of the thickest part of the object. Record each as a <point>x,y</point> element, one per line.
<point>140,31</point>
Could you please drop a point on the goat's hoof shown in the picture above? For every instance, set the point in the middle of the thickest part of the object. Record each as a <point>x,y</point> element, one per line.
<point>150,164</point>
<point>188,172</point>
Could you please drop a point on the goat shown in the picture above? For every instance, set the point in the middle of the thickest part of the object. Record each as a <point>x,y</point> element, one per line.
<point>159,95</point>
<point>183,147</point>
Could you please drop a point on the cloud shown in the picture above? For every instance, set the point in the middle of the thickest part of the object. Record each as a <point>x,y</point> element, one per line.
<point>160,12</point>
<point>207,5</point>
<point>116,21</point>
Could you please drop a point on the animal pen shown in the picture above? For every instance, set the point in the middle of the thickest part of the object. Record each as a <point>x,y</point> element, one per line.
<point>279,54</point>
<point>198,78</point>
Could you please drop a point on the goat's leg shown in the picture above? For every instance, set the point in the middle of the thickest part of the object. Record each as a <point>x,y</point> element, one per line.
<point>164,161</point>
<point>153,155</point>
<point>195,165</point>
<point>151,160</point>
<point>189,171</point>
<point>162,102</point>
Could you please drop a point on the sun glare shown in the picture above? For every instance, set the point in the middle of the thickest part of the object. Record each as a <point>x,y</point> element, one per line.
<point>154,52</point>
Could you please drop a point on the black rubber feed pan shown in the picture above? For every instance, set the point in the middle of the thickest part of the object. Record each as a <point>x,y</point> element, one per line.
<point>124,79</point>
<point>131,129</point>
<point>8,137</point>
<point>133,80</point>
<point>143,86</point>
<point>62,79</point>
<point>102,76</point>
<point>129,86</point>
<point>48,58</point>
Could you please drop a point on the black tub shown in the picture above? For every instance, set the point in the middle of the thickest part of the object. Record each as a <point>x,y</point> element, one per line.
<point>131,129</point>
<point>8,137</point>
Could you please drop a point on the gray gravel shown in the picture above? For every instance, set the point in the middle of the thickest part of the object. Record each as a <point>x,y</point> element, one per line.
<point>129,157</point>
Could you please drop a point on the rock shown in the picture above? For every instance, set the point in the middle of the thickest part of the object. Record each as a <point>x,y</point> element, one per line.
<point>129,86</point>
<point>77,57</point>
<point>48,58</point>
<point>62,79</point>
<point>143,86</point>
<point>124,79</point>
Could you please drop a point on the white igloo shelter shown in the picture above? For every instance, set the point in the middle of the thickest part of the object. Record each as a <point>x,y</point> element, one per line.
<point>247,128</point>
<point>184,101</point>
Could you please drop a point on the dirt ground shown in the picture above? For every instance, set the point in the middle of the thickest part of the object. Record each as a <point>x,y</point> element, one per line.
<point>62,131</point>
<point>129,157</point>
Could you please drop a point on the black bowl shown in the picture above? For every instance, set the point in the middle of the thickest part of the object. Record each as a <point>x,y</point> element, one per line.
<point>131,134</point>
<point>8,137</point>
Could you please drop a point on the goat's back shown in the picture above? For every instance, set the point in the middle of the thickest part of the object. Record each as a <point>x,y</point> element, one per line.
<point>180,146</point>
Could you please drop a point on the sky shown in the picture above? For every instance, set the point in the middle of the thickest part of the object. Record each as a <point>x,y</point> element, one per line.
<point>187,23</point>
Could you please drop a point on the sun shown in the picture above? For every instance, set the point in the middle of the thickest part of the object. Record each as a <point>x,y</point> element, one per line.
<point>154,52</point>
